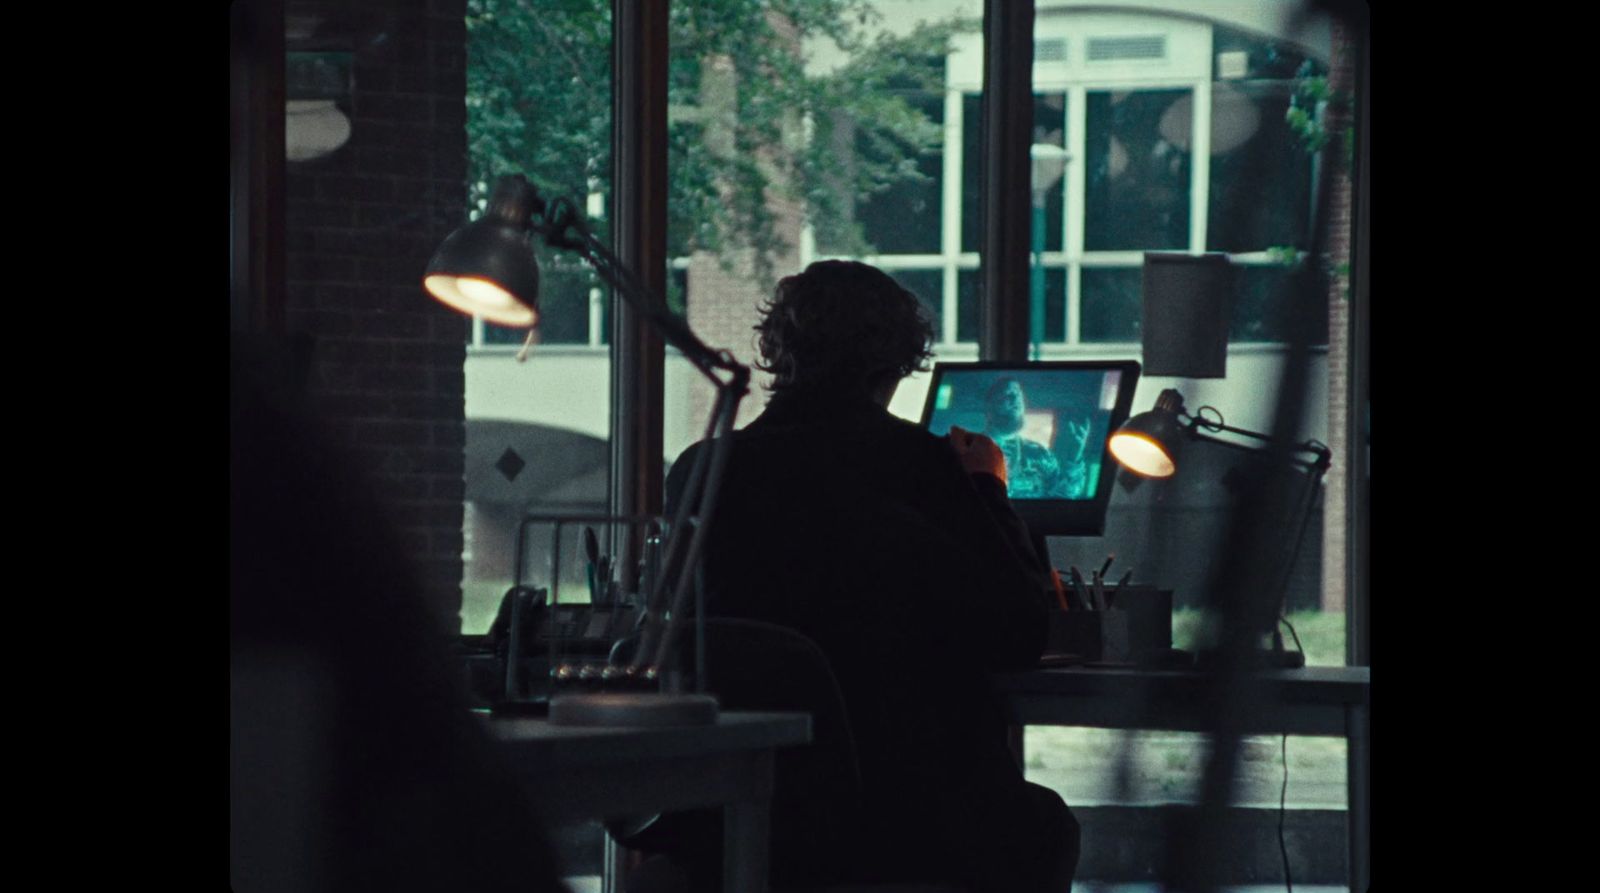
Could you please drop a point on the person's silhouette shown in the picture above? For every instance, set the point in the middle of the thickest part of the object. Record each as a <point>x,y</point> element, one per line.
<point>355,762</point>
<point>899,555</point>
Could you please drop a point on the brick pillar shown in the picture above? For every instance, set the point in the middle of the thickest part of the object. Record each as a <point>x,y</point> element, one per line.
<point>725,296</point>
<point>1339,116</point>
<point>361,223</point>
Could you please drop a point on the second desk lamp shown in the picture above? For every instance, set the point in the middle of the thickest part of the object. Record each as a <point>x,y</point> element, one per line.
<point>1150,444</point>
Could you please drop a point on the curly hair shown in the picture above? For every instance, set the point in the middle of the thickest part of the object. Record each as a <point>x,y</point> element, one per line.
<point>842,325</point>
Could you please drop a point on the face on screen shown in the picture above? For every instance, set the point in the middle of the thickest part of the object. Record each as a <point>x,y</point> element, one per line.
<point>1050,424</point>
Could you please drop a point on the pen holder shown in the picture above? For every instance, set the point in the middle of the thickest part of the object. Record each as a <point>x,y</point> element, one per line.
<point>1100,636</point>
<point>1149,616</point>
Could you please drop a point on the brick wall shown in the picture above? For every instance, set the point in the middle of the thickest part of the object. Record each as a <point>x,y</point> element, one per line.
<point>386,364</point>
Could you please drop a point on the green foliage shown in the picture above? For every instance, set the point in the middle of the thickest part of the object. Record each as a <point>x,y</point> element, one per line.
<point>1286,255</point>
<point>538,94</point>
<point>1305,112</point>
<point>539,102</point>
<point>1322,633</point>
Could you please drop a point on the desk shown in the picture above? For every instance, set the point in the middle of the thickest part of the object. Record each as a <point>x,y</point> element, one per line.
<point>1326,701</point>
<point>577,773</point>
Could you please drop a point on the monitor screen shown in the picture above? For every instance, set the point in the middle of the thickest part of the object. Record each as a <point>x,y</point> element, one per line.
<point>1051,421</point>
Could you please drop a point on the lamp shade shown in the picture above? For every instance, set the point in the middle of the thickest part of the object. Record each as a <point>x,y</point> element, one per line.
<point>1148,444</point>
<point>487,268</point>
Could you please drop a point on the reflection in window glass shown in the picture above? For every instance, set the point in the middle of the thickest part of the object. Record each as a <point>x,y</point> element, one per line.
<point>1254,154</point>
<point>1262,309</point>
<point>1137,194</point>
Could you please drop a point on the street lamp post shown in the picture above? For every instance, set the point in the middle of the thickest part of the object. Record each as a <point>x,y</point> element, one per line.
<point>1049,162</point>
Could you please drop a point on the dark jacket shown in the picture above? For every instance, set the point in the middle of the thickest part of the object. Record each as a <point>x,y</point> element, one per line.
<point>864,532</point>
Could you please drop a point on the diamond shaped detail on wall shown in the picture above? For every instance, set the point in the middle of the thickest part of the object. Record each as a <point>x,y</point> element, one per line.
<point>510,464</point>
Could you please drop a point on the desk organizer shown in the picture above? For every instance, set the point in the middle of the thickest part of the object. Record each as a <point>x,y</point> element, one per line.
<point>1100,636</point>
<point>1139,620</point>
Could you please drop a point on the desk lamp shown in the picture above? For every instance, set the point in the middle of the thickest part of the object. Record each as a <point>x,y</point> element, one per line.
<point>487,267</point>
<point>1150,443</point>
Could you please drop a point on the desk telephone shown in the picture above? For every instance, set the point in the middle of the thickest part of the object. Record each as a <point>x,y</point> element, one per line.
<point>542,635</point>
<point>570,628</point>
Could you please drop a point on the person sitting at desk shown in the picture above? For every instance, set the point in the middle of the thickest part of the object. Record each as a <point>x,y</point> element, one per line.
<point>899,554</point>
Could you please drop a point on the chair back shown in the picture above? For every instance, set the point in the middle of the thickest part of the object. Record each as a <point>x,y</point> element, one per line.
<point>756,666</point>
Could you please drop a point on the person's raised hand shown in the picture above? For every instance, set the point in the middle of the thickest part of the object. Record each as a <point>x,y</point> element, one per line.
<point>1079,435</point>
<point>978,454</point>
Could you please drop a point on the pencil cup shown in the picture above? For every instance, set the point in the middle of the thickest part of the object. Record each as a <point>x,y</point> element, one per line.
<point>1100,636</point>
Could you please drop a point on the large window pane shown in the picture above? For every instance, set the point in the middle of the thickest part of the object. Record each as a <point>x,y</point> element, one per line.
<point>537,432</point>
<point>1137,194</point>
<point>1253,155</point>
<point>798,139</point>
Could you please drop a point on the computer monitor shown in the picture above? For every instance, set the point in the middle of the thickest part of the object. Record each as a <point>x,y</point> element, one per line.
<point>1051,420</point>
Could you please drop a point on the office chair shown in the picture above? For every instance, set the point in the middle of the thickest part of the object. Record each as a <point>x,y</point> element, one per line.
<point>817,796</point>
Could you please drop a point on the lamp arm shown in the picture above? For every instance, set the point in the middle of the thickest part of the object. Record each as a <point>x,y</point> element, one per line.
<point>1317,467</point>
<point>1323,457</point>
<point>564,228</point>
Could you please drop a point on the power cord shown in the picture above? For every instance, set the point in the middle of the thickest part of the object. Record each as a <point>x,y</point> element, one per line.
<point>1297,646</point>
<point>1283,796</point>
<point>1283,792</point>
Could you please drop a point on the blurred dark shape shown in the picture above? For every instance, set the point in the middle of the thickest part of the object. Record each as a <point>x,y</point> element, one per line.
<point>355,762</point>
<point>1186,310</point>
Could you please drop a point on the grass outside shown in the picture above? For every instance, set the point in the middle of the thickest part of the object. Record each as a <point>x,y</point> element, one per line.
<point>1089,767</point>
<point>1106,766</point>
<point>480,600</point>
<point>1321,633</point>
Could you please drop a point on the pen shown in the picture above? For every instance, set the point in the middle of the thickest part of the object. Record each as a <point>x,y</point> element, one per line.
<point>591,547</point>
<point>1107,566</point>
<point>1078,587</point>
<point>1099,592</point>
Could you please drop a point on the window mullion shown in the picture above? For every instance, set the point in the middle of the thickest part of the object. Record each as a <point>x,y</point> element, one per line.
<point>1199,165</point>
<point>1073,217</point>
<point>950,216</point>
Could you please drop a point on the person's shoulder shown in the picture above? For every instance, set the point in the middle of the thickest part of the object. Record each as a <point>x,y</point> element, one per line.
<point>904,431</point>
